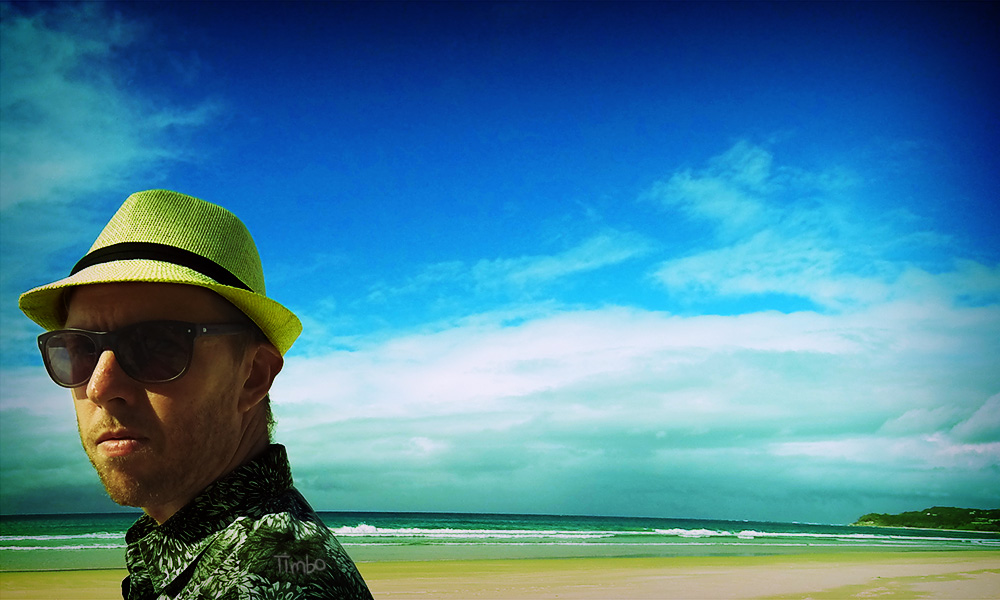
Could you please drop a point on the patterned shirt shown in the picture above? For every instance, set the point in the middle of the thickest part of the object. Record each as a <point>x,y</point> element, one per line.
<point>249,535</point>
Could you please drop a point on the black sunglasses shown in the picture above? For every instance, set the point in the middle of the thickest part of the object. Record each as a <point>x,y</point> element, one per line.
<point>149,352</point>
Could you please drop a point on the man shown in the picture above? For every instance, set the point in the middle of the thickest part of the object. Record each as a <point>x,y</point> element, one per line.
<point>169,345</point>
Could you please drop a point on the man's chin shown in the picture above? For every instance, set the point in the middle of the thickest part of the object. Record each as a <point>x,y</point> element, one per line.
<point>123,485</point>
<point>123,490</point>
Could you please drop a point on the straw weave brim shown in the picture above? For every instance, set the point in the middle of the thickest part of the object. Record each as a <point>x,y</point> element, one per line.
<point>44,304</point>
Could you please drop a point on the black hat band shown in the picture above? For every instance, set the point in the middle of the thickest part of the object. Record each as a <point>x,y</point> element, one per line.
<point>162,253</point>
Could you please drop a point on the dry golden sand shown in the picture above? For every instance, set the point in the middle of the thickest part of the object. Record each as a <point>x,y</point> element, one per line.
<point>951,575</point>
<point>884,575</point>
<point>67,585</point>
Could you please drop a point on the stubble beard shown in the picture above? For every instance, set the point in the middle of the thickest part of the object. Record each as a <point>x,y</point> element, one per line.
<point>121,485</point>
<point>122,488</point>
<point>145,478</point>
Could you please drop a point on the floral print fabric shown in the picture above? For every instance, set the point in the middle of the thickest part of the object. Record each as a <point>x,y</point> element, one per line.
<point>250,535</point>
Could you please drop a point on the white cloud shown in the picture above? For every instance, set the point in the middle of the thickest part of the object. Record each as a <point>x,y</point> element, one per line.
<point>929,452</point>
<point>71,123</point>
<point>769,262</point>
<point>461,367</point>
<point>920,420</point>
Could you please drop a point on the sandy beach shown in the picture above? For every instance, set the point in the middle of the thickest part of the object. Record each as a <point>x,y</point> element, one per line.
<point>897,575</point>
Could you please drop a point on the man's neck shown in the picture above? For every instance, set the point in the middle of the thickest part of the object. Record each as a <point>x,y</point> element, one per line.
<point>253,443</point>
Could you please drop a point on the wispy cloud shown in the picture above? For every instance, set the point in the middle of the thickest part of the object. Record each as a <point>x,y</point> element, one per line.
<point>75,129</point>
<point>602,250</point>
<point>726,193</point>
<point>525,275</point>
<point>767,262</point>
<point>789,231</point>
<point>72,121</point>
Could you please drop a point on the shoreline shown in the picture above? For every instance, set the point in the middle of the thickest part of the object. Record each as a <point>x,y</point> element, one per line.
<point>51,560</point>
<point>896,574</point>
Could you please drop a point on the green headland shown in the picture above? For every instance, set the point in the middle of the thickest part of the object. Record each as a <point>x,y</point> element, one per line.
<point>937,517</point>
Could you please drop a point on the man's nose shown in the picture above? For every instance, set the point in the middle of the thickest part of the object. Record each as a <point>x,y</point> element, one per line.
<point>108,381</point>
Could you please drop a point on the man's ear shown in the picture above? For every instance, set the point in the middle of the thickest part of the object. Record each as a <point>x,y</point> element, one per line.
<point>265,366</point>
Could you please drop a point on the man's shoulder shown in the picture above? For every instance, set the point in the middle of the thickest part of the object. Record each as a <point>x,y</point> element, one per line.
<point>283,537</point>
<point>285,553</point>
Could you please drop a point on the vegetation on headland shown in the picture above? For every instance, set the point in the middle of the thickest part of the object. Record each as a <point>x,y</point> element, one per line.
<point>938,517</point>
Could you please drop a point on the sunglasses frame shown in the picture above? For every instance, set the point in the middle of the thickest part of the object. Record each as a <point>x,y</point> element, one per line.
<point>108,340</point>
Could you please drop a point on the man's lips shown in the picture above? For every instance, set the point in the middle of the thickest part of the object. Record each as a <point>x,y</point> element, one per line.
<point>119,442</point>
<point>117,434</point>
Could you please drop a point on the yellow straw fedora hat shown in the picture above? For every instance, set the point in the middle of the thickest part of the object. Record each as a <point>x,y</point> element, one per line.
<point>165,237</point>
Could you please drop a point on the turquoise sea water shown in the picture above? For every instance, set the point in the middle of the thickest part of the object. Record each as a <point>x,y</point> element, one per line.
<point>88,541</point>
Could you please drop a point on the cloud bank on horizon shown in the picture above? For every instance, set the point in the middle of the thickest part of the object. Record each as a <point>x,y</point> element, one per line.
<point>751,332</point>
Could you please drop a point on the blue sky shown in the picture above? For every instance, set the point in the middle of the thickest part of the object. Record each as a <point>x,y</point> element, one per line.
<point>696,260</point>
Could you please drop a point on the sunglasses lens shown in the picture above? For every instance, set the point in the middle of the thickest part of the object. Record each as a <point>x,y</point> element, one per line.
<point>70,357</point>
<point>155,352</point>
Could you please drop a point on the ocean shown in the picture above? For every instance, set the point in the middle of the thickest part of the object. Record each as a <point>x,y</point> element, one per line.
<point>96,541</point>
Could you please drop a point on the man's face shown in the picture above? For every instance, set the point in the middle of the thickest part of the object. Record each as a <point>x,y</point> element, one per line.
<point>158,445</point>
